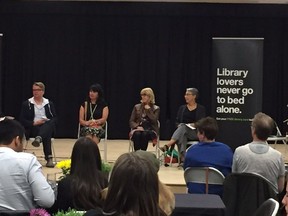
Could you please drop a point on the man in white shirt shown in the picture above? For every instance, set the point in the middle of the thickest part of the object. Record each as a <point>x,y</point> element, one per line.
<point>38,116</point>
<point>22,183</point>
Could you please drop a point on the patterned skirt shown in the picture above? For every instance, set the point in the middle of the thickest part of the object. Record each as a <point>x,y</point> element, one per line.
<point>98,132</point>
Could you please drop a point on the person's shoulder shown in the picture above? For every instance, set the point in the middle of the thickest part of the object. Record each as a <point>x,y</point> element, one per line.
<point>200,106</point>
<point>155,107</point>
<point>242,148</point>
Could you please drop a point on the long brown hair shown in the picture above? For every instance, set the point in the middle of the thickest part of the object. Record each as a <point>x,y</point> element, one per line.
<point>133,187</point>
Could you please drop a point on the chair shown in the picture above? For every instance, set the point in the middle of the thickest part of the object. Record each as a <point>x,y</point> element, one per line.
<point>104,140</point>
<point>277,137</point>
<point>243,193</point>
<point>204,175</point>
<point>268,208</point>
<point>157,146</point>
<point>31,139</point>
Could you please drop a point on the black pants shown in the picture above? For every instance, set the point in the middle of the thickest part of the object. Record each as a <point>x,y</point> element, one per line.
<point>141,139</point>
<point>46,131</point>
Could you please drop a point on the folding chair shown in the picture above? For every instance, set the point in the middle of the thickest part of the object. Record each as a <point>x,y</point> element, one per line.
<point>278,137</point>
<point>104,140</point>
<point>204,175</point>
<point>157,145</point>
<point>31,139</point>
<point>268,208</point>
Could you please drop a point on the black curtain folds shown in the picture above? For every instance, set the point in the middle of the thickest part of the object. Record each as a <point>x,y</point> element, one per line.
<point>128,46</point>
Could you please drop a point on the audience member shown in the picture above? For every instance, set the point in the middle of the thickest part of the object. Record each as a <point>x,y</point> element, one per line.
<point>81,189</point>
<point>23,185</point>
<point>93,114</point>
<point>144,120</point>
<point>38,116</point>
<point>133,188</point>
<point>258,157</point>
<point>166,196</point>
<point>187,114</point>
<point>208,153</point>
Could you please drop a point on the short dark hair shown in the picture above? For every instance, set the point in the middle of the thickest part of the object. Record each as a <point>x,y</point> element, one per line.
<point>9,130</point>
<point>208,126</point>
<point>133,187</point>
<point>86,185</point>
<point>263,125</point>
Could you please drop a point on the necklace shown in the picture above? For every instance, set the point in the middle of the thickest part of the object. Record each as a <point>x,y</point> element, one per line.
<point>92,111</point>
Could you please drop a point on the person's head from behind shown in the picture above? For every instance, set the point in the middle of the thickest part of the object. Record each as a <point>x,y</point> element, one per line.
<point>207,128</point>
<point>96,92</point>
<point>12,134</point>
<point>133,187</point>
<point>262,126</point>
<point>85,154</point>
<point>87,181</point>
<point>147,96</point>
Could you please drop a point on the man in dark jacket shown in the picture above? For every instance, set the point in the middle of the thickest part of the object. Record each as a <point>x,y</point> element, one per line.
<point>38,116</point>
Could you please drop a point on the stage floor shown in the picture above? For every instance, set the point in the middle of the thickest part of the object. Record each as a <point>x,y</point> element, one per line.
<point>172,176</point>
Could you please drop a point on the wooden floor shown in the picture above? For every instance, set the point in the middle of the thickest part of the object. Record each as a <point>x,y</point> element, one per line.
<point>172,176</point>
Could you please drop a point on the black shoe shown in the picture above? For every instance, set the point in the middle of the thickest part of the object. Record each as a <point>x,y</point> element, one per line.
<point>50,163</point>
<point>37,141</point>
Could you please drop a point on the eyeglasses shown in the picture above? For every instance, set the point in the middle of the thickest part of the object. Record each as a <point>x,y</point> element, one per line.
<point>144,94</point>
<point>188,94</point>
<point>37,89</point>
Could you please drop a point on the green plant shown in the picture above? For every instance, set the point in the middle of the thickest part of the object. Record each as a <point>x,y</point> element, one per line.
<point>70,212</point>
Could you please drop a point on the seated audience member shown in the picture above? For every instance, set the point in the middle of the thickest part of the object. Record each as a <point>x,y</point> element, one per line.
<point>93,114</point>
<point>187,114</point>
<point>38,116</point>
<point>208,153</point>
<point>258,157</point>
<point>81,189</point>
<point>133,188</point>
<point>22,183</point>
<point>166,196</point>
<point>144,120</point>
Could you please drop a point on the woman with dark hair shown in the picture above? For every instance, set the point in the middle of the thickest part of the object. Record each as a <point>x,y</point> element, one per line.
<point>93,114</point>
<point>133,188</point>
<point>81,189</point>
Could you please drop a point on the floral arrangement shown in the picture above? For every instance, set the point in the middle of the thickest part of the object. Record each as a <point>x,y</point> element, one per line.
<point>39,212</point>
<point>65,166</point>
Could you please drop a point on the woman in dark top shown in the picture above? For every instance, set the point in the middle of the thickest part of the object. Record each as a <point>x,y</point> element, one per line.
<point>93,114</point>
<point>81,189</point>
<point>187,115</point>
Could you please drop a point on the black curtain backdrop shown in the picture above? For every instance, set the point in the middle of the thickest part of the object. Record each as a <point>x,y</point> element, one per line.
<point>128,46</point>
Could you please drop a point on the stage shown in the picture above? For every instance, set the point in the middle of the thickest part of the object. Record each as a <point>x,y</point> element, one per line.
<point>172,176</point>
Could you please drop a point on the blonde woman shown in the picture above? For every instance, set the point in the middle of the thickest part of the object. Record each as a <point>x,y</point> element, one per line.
<point>144,120</point>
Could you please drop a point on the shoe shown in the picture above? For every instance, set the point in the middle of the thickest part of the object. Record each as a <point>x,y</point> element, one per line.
<point>37,141</point>
<point>180,165</point>
<point>164,148</point>
<point>50,163</point>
